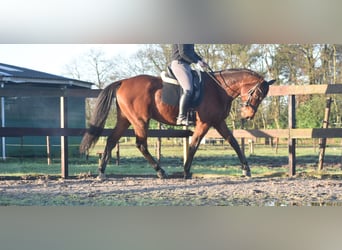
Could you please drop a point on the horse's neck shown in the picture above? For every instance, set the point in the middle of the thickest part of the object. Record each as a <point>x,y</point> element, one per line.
<point>232,90</point>
<point>235,91</point>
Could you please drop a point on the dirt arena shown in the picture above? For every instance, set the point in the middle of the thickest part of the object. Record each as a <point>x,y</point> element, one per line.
<point>150,191</point>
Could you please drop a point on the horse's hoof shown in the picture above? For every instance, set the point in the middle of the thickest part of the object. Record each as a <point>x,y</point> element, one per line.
<point>187,176</point>
<point>101,177</point>
<point>162,174</point>
<point>246,173</point>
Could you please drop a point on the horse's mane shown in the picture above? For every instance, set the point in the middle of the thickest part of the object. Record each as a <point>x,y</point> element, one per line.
<point>239,70</point>
<point>234,74</point>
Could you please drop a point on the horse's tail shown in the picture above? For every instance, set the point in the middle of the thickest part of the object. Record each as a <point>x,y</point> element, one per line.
<point>99,117</point>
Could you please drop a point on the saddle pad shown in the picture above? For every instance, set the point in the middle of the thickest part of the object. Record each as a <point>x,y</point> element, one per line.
<point>171,93</point>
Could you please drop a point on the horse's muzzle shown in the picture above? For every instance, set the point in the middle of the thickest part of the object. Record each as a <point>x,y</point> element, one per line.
<point>247,113</point>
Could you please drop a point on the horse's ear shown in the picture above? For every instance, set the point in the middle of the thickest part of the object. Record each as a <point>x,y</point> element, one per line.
<point>271,82</point>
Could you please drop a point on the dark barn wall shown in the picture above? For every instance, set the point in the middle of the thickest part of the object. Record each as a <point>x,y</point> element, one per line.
<point>41,112</point>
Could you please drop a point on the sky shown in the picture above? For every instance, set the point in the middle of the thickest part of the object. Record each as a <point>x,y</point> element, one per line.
<point>53,58</point>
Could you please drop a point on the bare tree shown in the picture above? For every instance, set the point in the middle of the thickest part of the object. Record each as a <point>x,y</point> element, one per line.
<point>94,66</point>
<point>101,66</point>
<point>151,59</point>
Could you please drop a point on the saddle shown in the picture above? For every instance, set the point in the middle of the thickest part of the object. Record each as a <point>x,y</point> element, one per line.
<point>172,90</point>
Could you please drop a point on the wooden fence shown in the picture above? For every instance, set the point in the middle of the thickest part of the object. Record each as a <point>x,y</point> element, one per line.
<point>291,133</point>
<point>64,131</point>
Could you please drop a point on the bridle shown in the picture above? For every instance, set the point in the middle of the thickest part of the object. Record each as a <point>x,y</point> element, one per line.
<point>250,93</point>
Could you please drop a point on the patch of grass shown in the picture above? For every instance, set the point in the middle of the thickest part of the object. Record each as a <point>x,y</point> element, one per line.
<point>209,159</point>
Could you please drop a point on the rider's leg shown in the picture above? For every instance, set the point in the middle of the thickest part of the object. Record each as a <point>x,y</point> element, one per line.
<point>182,72</point>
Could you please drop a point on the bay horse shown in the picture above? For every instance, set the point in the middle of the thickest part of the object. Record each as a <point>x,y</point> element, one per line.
<point>139,99</point>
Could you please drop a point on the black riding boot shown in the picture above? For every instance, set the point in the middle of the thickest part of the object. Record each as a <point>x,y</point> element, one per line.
<point>183,108</point>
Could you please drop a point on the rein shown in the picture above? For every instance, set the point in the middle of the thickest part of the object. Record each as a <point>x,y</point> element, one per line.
<point>211,73</point>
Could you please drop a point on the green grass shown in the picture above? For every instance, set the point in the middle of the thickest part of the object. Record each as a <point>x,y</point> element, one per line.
<point>209,160</point>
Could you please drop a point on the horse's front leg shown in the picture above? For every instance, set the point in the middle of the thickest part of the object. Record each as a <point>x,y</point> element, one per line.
<point>228,135</point>
<point>200,131</point>
<point>188,162</point>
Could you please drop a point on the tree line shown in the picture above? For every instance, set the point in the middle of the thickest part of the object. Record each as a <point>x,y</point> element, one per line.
<point>298,64</point>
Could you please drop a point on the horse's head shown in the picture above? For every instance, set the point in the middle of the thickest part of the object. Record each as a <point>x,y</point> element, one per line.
<point>252,97</point>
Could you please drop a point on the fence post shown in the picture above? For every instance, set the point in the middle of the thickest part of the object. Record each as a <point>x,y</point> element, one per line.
<point>291,141</point>
<point>323,141</point>
<point>3,139</point>
<point>64,139</point>
<point>117,153</point>
<point>48,150</point>
<point>243,139</point>
<point>158,145</point>
<point>185,146</point>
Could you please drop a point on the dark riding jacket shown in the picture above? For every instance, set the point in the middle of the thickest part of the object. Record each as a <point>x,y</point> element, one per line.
<point>185,53</point>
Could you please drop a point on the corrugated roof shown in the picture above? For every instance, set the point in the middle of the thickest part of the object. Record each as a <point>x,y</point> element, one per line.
<point>19,75</point>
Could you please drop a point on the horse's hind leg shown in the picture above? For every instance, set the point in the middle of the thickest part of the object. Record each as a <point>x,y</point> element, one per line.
<point>228,135</point>
<point>141,143</point>
<point>120,128</point>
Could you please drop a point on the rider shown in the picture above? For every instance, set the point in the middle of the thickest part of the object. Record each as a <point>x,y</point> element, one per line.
<point>182,56</point>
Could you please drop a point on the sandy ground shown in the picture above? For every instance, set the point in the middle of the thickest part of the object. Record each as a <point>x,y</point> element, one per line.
<point>142,191</point>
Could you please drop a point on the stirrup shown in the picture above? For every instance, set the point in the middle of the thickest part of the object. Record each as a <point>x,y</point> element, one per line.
<point>184,121</point>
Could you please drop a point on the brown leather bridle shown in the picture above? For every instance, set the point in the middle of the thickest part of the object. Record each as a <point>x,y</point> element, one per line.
<point>250,92</point>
